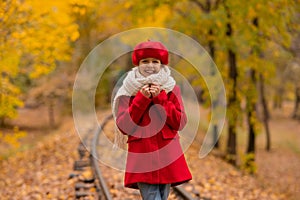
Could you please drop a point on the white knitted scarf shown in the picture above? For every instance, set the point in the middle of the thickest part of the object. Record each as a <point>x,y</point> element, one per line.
<point>134,81</point>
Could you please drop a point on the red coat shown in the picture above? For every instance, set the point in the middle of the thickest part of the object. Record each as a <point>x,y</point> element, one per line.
<point>154,152</point>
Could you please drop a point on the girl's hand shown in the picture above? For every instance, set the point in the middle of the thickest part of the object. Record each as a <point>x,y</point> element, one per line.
<point>155,89</point>
<point>146,91</point>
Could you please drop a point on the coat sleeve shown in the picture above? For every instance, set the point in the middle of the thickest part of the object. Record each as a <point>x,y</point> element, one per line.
<point>173,105</point>
<point>130,112</point>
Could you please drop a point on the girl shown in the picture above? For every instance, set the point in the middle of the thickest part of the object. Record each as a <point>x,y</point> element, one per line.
<point>148,109</point>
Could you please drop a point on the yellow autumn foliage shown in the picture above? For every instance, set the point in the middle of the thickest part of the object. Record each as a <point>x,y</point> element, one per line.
<point>34,36</point>
<point>12,139</point>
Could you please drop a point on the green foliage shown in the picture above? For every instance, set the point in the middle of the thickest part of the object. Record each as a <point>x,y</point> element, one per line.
<point>248,163</point>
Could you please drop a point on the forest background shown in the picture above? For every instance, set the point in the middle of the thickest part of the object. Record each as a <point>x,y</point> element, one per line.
<point>255,45</point>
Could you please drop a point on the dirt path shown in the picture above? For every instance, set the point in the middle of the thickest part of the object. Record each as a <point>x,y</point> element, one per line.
<point>280,168</point>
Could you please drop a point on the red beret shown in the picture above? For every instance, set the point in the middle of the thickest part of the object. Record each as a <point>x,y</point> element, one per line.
<point>150,49</point>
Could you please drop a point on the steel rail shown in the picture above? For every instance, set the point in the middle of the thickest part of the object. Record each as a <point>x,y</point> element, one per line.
<point>95,165</point>
<point>183,193</point>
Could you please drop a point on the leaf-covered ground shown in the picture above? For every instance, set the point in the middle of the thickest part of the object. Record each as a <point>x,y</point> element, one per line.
<point>43,172</point>
<point>212,178</point>
<point>280,168</point>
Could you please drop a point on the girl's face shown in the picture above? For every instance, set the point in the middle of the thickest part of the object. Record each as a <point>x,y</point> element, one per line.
<point>149,66</point>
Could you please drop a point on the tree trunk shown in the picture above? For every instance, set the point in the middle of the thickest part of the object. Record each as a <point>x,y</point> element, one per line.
<point>266,115</point>
<point>2,121</point>
<point>232,98</point>
<point>232,104</point>
<point>51,112</point>
<point>231,144</point>
<point>211,47</point>
<point>1,118</point>
<point>296,112</point>
<point>251,132</point>
<point>249,163</point>
<point>277,102</point>
<point>251,104</point>
<point>251,98</point>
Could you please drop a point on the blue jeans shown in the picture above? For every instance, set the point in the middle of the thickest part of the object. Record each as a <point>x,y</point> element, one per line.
<point>154,191</point>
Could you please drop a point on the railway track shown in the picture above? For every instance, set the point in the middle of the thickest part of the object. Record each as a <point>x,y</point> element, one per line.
<point>90,182</point>
<point>181,193</point>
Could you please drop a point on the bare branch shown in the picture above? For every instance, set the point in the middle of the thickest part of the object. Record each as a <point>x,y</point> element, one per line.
<point>180,12</point>
<point>199,4</point>
<point>208,5</point>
